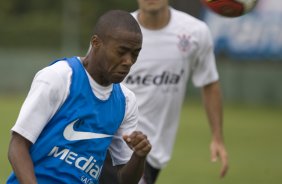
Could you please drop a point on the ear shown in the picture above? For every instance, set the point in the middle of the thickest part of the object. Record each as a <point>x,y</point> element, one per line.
<point>96,42</point>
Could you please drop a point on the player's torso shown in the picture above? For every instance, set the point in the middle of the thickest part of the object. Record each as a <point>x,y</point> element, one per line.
<point>166,59</point>
<point>75,140</point>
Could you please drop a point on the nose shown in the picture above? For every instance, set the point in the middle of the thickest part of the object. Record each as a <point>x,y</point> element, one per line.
<point>128,60</point>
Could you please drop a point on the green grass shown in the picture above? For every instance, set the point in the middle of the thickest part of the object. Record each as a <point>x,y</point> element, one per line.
<point>9,108</point>
<point>253,137</point>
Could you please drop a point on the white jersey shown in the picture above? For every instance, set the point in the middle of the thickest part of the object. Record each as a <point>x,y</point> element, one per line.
<point>46,97</point>
<point>168,57</point>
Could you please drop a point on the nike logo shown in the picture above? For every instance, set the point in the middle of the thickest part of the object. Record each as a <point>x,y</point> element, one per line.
<point>72,135</point>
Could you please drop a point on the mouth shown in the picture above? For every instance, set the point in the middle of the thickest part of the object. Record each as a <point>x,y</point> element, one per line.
<point>119,76</point>
<point>152,1</point>
<point>122,73</point>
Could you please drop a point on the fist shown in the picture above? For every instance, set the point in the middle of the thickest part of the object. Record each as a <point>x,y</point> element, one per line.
<point>139,143</point>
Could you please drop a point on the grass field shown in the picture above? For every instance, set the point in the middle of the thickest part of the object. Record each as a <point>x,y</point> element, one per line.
<point>253,137</point>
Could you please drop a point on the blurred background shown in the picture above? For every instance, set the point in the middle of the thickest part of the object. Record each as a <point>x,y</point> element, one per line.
<point>249,58</point>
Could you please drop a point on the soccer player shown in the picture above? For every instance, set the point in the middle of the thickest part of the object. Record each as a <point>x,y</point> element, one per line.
<point>76,109</point>
<point>176,46</point>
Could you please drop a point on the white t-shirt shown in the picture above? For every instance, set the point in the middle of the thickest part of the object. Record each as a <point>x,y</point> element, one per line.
<point>168,57</point>
<point>45,98</point>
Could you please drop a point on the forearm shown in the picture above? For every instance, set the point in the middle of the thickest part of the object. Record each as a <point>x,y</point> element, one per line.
<point>212,100</point>
<point>20,159</point>
<point>213,104</point>
<point>132,172</point>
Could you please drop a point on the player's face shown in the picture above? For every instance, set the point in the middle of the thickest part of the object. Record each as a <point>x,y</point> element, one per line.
<point>152,6</point>
<point>118,53</point>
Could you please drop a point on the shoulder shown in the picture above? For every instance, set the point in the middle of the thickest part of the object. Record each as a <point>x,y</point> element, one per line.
<point>129,95</point>
<point>185,20</point>
<point>196,28</point>
<point>56,77</point>
<point>57,72</point>
<point>131,113</point>
<point>134,14</point>
<point>185,17</point>
<point>131,102</point>
<point>60,67</point>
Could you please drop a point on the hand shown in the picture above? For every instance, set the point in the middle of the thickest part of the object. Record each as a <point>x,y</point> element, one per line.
<point>218,150</point>
<point>139,143</point>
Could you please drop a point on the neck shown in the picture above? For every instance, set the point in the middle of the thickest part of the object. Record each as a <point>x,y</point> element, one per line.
<point>154,20</point>
<point>93,72</point>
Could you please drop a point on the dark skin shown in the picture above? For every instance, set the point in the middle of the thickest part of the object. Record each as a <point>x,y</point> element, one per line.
<point>108,61</point>
<point>133,170</point>
<point>19,157</point>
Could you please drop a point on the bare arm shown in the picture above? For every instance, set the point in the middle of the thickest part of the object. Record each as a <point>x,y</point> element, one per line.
<point>212,100</point>
<point>131,172</point>
<point>19,157</point>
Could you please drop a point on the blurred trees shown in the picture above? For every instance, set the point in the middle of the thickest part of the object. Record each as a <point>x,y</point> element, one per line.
<point>30,21</point>
<point>55,23</point>
<point>33,23</point>
<point>60,24</point>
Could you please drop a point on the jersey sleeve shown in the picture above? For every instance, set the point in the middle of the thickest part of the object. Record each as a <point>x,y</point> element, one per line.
<point>119,150</point>
<point>204,68</point>
<point>47,93</point>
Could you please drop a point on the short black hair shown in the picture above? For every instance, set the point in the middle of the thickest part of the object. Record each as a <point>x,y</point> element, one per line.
<point>114,19</point>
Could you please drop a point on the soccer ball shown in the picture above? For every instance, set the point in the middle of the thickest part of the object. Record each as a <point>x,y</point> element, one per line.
<point>230,8</point>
